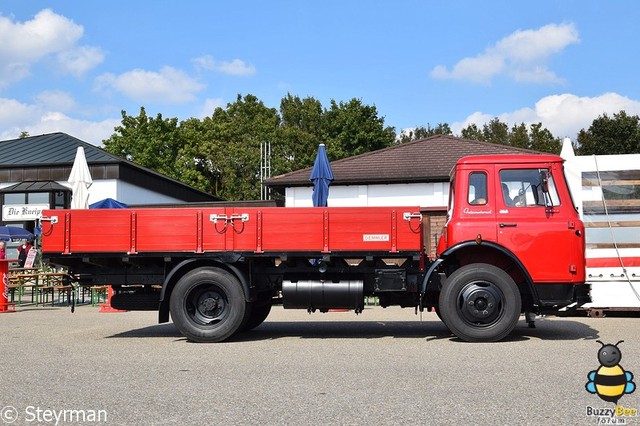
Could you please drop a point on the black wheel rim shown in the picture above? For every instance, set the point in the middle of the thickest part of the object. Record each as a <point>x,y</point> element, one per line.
<point>480,304</point>
<point>207,304</point>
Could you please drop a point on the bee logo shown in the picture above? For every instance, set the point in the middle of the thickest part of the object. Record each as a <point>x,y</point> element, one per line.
<point>610,381</point>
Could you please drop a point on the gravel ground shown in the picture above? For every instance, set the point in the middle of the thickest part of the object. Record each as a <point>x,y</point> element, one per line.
<point>383,367</point>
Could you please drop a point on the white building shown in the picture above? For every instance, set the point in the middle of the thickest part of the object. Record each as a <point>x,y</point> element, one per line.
<point>34,172</point>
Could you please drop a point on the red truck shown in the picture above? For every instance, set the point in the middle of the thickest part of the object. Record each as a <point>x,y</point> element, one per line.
<point>513,243</point>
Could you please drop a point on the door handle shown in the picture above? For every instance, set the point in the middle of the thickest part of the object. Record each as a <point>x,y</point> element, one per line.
<point>508,225</point>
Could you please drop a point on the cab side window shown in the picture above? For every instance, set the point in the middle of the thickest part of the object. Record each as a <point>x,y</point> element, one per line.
<point>477,191</point>
<point>523,188</point>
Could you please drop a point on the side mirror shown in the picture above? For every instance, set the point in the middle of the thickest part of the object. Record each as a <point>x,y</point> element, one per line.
<point>544,187</point>
<point>544,181</point>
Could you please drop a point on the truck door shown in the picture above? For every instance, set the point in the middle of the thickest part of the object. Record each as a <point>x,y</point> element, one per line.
<point>535,225</point>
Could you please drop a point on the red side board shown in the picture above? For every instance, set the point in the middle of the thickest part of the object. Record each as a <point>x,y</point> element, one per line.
<point>257,230</point>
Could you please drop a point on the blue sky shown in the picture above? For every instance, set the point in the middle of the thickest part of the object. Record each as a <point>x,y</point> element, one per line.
<point>72,66</point>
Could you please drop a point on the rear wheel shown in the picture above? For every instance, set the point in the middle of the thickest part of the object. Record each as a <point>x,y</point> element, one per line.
<point>208,305</point>
<point>480,303</point>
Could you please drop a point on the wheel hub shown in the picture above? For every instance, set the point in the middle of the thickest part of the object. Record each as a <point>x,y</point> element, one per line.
<point>209,306</point>
<point>480,303</point>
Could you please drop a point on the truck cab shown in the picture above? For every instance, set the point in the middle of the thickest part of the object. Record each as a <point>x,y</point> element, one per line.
<point>511,218</point>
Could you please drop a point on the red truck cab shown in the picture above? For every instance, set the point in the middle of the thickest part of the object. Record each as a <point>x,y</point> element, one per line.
<point>512,214</point>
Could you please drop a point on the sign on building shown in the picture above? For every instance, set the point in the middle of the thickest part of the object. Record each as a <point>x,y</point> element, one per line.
<point>22,212</point>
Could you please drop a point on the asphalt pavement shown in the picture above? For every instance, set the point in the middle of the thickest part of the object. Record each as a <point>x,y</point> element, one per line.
<point>384,367</point>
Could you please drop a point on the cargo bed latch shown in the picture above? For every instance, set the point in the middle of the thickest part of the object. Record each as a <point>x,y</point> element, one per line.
<point>215,218</point>
<point>52,219</point>
<point>408,216</point>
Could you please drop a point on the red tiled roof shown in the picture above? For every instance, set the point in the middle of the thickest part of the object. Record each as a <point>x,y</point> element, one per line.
<point>423,160</point>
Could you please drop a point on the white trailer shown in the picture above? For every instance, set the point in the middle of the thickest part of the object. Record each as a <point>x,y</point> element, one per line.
<point>606,191</point>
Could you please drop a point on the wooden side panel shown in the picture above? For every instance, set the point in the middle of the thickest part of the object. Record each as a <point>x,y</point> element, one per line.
<point>97,230</point>
<point>372,229</point>
<point>361,229</point>
<point>158,229</point>
<point>291,229</point>
<point>110,231</point>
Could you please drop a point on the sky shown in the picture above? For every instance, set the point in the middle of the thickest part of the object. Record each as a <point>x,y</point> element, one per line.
<point>73,66</point>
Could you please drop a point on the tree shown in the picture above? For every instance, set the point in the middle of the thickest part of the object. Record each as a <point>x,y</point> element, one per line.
<point>236,134</point>
<point>149,142</point>
<point>351,128</point>
<point>495,131</point>
<point>220,154</point>
<point>425,132</point>
<point>535,137</point>
<point>519,136</point>
<point>472,132</point>
<point>542,140</point>
<point>619,134</point>
<point>301,131</point>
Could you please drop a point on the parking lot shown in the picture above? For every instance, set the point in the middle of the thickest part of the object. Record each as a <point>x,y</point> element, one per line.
<point>385,366</point>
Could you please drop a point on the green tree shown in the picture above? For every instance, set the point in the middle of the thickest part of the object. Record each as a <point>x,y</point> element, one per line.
<point>197,166</point>
<point>300,133</point>
<point>237,133</point>
<point>495,131</point>
<point>351,128</point>
<point>534,137</point>
<point>519,136</point>
<point>619,134</point>
<point>472,132</point>
<point>149,142</point>
<point>425,132</point>
<point>542,140</point>
<point>220,154</point>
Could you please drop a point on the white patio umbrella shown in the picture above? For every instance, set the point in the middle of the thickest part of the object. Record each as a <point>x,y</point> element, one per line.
<point>80,180</point>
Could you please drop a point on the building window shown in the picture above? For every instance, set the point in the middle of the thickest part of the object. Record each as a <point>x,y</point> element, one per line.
<point>38,198</point>
<point>17,198</point>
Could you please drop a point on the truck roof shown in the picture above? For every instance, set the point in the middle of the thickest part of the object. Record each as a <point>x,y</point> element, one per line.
<point>510,158</point>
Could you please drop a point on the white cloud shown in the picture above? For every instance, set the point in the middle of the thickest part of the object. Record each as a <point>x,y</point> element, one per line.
<point>14,113</point>
<point>209,106</point>
<point>80,60</point>
<point>93,132</point>
<point>169,86</point>
<point>26,43</point>
<point>564,115</point>
<point>234,67</point>
<point>521,56</point>
<point>55,100</point>
<point>45,116</point>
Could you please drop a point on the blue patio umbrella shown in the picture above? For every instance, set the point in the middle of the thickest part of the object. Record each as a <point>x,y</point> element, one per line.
<point>321,176</point>
<point>108,203</point>
<point>14,233</point>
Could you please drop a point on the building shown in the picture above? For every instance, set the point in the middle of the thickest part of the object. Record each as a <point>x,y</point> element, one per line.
<point>410,174</point>
<point>34,172</point>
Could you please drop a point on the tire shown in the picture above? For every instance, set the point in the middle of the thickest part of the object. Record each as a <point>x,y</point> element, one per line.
<point>208,305</point>
<point>259,313</point>
<point>480,303</point>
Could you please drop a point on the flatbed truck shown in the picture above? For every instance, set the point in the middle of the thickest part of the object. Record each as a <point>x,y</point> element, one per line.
<point>513,243</point>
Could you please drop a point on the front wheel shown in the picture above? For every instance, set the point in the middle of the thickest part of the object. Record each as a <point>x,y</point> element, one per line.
<point>208,305</point>
<point>480,303</point>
